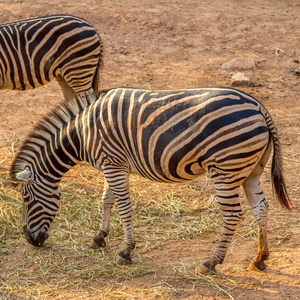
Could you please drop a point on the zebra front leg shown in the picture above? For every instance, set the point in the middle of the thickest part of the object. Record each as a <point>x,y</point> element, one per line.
<point>125,210</point>
<point>108,202</point>
<point>119,184</point>
<point>228,199</point>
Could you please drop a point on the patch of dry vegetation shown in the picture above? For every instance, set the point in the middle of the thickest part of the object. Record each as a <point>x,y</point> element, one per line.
<point>164,216</point>
<point>66,263</point>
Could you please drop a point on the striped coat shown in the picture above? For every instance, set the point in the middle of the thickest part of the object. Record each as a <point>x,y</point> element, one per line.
<point>35,51</point>
<point>165,136</point>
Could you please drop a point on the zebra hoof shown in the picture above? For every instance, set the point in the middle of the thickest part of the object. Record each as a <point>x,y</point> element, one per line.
<point>123,259</point>
<point>97,242</point>
<point>257,265</point>
<point>206,269</point>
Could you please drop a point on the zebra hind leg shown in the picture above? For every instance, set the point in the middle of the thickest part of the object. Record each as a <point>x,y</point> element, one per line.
<point>259,206</point>
<point>260,211</point>
<point>67,91</point>
<point>89,96</point>
<point>229,203</point>
<point>108,202</point>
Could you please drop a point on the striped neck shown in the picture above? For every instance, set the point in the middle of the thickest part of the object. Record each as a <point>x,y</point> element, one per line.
<point>50,151</point>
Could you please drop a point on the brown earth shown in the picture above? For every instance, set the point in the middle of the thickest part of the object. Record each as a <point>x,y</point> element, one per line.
<point>175,44</point>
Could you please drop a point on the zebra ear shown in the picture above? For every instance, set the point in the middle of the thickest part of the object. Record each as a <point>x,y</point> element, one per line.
<point>21,177</point>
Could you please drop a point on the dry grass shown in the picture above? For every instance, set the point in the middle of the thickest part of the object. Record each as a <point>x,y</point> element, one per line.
<point>66,264</point>
<point>164,215</point>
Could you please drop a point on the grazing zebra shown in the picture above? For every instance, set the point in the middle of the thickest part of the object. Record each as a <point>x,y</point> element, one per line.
<point>35,51</point>
<point>166,136</point>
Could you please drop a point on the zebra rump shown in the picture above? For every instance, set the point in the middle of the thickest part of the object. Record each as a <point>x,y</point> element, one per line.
<point>162,135</point>
<point>35,51</point>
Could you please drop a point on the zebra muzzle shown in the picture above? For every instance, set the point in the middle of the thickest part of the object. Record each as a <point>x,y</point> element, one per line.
<point>35,240</point>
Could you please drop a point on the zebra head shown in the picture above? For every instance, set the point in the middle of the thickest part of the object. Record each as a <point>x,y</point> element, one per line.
<point>41,202</point>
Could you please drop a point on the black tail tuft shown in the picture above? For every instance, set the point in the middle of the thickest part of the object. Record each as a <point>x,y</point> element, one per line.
<point>278,182</point>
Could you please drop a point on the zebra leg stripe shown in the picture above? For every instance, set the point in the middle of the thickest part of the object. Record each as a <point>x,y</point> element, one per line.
<point>118,182</point>
<point>108,202</point>
<point>260,212</point>
<point>229,203</point>
<point>259,206</point>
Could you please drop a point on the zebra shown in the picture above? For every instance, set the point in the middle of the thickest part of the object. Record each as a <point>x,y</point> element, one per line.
<point>35,51</point>
<point>164,135</point>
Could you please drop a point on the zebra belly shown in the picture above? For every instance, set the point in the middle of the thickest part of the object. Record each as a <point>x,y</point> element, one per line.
<point>164,175</point>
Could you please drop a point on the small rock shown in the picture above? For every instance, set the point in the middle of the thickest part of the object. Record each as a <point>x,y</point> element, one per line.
<point>240,63</point>
<point>296,60</point>
<point>239,79</point>
<point>297,71</point>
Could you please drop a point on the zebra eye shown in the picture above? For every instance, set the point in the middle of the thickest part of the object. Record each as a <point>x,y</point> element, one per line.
<point>26,198</point>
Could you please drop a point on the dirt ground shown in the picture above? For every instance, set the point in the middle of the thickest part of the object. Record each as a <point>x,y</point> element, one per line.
<point>183,44</point>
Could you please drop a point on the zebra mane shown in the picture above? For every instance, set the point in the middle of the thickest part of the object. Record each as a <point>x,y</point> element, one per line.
<point>53,122</point>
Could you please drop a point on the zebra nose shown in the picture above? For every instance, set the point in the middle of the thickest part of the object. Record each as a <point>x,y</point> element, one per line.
<point>41,237</point>
<point>38,240</point>
<point>27,234</point>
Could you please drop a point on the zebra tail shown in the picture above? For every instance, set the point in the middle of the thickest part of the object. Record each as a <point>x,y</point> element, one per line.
<point>278,182</point>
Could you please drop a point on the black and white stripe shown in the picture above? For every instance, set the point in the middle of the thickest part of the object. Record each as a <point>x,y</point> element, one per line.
<point>35,51</point>
<point>166,136</point>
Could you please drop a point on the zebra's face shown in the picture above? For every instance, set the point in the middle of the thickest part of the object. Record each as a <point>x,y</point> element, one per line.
<point>39,209</point>
<point>41,202</point>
